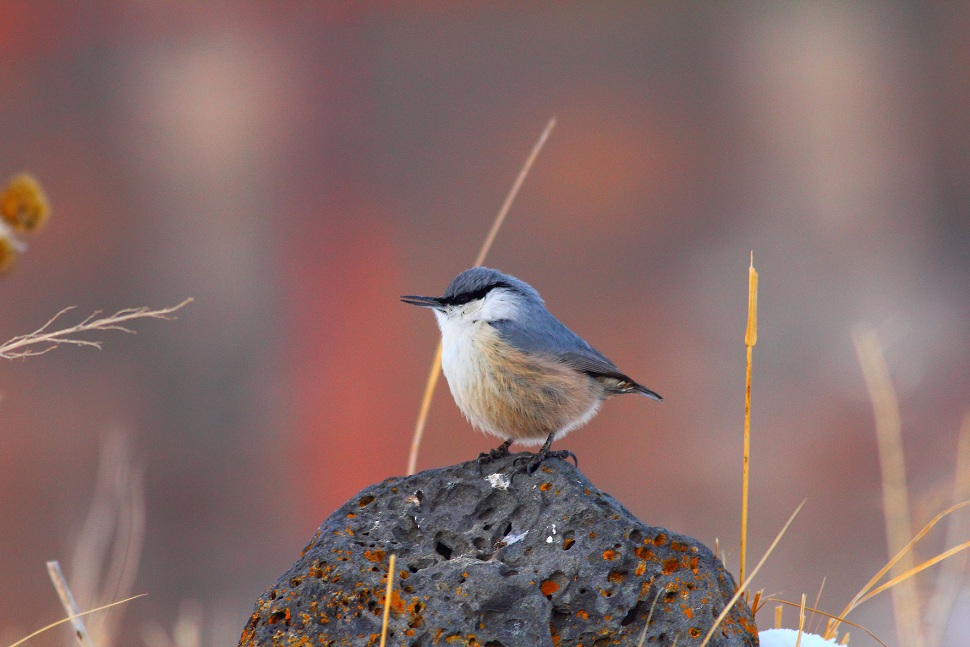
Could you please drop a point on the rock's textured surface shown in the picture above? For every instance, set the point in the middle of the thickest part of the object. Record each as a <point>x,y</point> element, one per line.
<point>484,560</point>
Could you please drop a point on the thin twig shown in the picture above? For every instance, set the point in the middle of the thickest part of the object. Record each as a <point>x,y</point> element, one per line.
<point>66,620</point>
<point>43,340</point>
<point>818,598</point>
<point>653,606</point>
<point>69,604</point>
<point>387,598</point>
<point>482,253</point>
<point>737,594</point>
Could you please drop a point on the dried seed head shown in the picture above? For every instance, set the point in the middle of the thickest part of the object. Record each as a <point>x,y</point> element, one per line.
<point>23,204</point>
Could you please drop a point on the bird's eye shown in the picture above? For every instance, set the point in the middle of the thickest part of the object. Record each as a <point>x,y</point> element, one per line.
<point>465,297</point>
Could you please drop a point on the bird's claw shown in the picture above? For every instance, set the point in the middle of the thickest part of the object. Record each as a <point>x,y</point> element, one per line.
<point>494,454</point>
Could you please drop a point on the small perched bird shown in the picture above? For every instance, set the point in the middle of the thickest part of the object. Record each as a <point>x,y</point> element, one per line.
<point>514,370</point>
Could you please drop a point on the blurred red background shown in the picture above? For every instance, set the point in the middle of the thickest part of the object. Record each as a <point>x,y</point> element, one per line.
<point>297,167</point>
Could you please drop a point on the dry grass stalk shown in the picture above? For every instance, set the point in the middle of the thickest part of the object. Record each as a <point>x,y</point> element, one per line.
<point>950,577</point>
<point>108,547</point>
<point>895,494</point>
<point>818,597</point>
<point>741,589</point>
<point>833,619</point>
<point>801,622</point>
<point>750,339</point>
<point>778,611</point>
<point>756,602</point>
<point>387,598</point>
<point>482,253</point>
<point>66,620</point>
<point>902,577</point>
<point>868,591</point>
<point>653,605</point>
<point>44,340</point>
<point>69,603</point>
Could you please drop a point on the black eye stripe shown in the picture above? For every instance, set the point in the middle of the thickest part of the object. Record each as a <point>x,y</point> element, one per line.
<point>465,297</point>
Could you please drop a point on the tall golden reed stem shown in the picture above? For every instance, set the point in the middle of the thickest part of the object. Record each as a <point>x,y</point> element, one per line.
<point>750,339</point>
<point>387,598</point>
<point>482,253</point>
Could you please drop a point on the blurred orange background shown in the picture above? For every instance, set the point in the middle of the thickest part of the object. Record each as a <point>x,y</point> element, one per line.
<point>296,167</point>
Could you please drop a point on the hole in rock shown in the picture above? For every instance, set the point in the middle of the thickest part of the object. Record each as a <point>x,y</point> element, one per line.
<point>632,614</point>
<point>567,540</point>
<point>442,550</point>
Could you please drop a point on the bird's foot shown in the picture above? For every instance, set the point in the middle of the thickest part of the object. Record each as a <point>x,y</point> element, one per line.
<point>540,457</point>
<point>531,466</point>
<point>494,454</point>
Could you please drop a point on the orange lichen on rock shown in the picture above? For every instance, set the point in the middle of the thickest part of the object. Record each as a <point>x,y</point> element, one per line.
<point>616,577</point>
<point>545,487</point>
<point>670,566</point>
<point>609,554</point>
<point>548,587</point>
<point>374,555</point>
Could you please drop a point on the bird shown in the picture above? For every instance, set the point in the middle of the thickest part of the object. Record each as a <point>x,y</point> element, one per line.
<point>514,370</point>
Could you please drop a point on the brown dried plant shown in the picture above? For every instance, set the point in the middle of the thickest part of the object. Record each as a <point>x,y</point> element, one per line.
<point>43,340</point>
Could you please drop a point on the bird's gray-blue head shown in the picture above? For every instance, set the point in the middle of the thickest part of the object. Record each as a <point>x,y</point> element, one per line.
<point>481,294</point>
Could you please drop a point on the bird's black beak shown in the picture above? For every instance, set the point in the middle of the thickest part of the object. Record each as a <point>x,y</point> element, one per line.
<point>424,302</point>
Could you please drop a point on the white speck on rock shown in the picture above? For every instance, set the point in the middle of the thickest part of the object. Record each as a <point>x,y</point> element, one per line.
<point>510,538</point>
<point>500,481</point>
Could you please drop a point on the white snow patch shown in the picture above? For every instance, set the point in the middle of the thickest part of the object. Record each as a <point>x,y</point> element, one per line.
<point>788,637</point>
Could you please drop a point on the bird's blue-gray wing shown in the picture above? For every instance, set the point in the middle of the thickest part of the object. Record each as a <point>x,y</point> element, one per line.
<point>551,338</point>
<point>543,333</point>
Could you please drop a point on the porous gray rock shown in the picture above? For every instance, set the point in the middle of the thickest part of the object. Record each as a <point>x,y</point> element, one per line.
<point>498,558</point>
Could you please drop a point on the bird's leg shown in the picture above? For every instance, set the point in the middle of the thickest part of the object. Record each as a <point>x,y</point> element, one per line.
<point>544,453</point>
<point>494,454</point>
